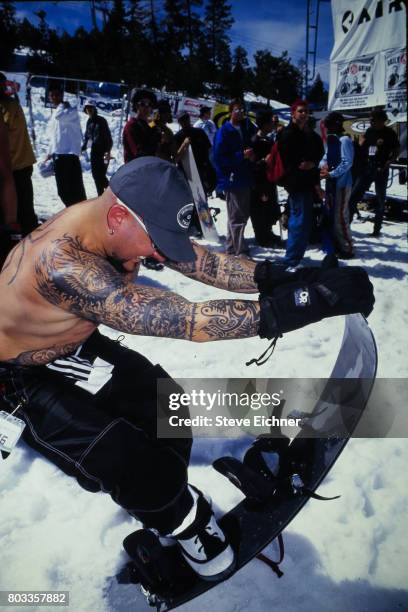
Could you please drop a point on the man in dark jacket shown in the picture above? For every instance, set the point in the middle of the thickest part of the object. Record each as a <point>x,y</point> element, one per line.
<point>301,150</point>
<point>379,148</point>
<point>264,197</point>
<point>200,145</point>
<point>232,155</point>
<point>98,133</point>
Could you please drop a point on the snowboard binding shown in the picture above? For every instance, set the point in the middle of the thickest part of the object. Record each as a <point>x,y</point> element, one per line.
<point>272,467</point>
<point>160,571</point>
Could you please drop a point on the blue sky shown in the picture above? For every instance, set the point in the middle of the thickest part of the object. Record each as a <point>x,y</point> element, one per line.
<point>276,25</point>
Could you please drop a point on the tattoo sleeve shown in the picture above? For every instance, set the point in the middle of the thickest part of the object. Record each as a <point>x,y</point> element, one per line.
<point>219,270</point>
<point>88,286</point>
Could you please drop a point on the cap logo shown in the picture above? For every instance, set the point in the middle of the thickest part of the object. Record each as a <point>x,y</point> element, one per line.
<point>184,216</point>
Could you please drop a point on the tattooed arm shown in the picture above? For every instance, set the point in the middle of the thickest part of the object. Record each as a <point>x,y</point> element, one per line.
<point>88,286</point>
<point>219,270</point>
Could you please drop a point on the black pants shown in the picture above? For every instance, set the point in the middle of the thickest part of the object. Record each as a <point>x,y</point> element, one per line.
<point>68,176</point>
<point>371,174</point>
<point>264,213</point>
<point>25,199</point>
<point>98,168</point>
<point>106,441</point>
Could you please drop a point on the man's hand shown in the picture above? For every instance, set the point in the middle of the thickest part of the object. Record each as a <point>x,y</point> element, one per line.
<point>249,154</point>
<point>336,291</point>
<point>324,172</point>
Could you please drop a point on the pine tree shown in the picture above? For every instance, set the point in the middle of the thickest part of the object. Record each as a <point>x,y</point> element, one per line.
<point>239,78</point>
<point>8,31</point>
<point>275,77</point>
<point>218,20</point>
<point>317,93</point>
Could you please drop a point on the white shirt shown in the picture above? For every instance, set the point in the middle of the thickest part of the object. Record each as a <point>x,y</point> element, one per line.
<point>64,131</point>
<point>209,128</point>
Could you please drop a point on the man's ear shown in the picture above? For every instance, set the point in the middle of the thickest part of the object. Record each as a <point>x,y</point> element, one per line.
<point>115,217</point>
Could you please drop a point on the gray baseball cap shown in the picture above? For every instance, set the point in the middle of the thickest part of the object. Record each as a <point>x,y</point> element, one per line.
<point>157,191</point>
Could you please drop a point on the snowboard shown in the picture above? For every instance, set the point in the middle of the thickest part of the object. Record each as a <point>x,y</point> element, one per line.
<point>252,524</point>
<point>200,200</point>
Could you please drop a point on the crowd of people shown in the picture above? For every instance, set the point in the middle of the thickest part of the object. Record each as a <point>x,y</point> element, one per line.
<point>88,403</point>
<point>234,161</point>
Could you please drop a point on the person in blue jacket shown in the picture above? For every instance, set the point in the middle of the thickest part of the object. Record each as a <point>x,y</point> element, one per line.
<point>335,167</point>
<point>232,158</point>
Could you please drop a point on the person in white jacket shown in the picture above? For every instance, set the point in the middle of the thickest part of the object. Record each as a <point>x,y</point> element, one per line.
<point>65,140</point>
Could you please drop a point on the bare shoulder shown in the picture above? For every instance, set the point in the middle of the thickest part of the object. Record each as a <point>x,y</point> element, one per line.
<point>71,277</point>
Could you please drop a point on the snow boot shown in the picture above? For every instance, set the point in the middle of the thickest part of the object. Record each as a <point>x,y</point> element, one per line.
<point>202,542</point>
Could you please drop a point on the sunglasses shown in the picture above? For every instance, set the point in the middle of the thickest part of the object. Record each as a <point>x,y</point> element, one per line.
<point>145,103</point>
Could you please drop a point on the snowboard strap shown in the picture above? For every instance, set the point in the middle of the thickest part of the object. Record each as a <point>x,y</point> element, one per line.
<point>260,360</point>
<point>274,565</point>
<point>313,495</point>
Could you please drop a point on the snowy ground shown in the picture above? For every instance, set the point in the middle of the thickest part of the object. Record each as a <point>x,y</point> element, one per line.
<point>347,554</point>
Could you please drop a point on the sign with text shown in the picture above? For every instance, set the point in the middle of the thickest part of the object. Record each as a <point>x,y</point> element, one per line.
<point>368,60</point>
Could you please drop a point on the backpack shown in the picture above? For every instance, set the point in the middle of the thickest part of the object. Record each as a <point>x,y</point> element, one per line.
<point>275,170</point>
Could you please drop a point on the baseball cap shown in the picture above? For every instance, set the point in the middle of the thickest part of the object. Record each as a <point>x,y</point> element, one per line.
<point>157,191</point>
<point>90,102</point>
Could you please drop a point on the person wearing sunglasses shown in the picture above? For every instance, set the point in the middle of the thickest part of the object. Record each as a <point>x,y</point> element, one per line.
<point>138,137</point>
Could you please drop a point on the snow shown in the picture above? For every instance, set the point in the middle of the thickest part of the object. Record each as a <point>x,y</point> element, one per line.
<point>346,554</point>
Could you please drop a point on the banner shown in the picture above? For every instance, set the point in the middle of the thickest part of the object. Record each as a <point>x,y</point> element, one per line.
<point>368,61</point>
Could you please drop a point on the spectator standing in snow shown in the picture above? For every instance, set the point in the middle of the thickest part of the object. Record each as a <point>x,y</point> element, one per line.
<point>336,169</point>
<point>301,150</point>
<point>200,145</point>
<point>205,123</point>
<point>65,139</point>
<point>265,209</point>
<point>22,157</point>
<point>166,148</point>
<point>232,154</point>
<point>97,132</point>
<point>277,128</point>
<point>380,147</point>
<point>139,138</point>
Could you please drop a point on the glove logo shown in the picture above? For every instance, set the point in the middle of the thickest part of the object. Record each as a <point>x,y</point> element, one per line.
<point>302,297</point>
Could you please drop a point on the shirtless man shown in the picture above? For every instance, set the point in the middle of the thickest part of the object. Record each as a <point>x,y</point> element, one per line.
<point>89,404</point>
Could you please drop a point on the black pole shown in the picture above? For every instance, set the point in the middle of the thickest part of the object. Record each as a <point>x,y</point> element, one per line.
<point>306,84</point>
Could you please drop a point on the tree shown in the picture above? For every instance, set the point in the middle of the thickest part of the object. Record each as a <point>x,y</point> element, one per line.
<point>218,20</point>
<point>275,77</point>
<point>317,93</point>
<point>8,31</point>
<point>240,77</point>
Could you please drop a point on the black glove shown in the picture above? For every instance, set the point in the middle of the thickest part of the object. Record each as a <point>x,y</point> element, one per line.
<point>337,291</point>
<point>270,275</point>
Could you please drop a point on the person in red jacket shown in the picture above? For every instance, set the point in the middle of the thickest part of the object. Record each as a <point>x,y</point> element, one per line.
<point>139,138</point>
